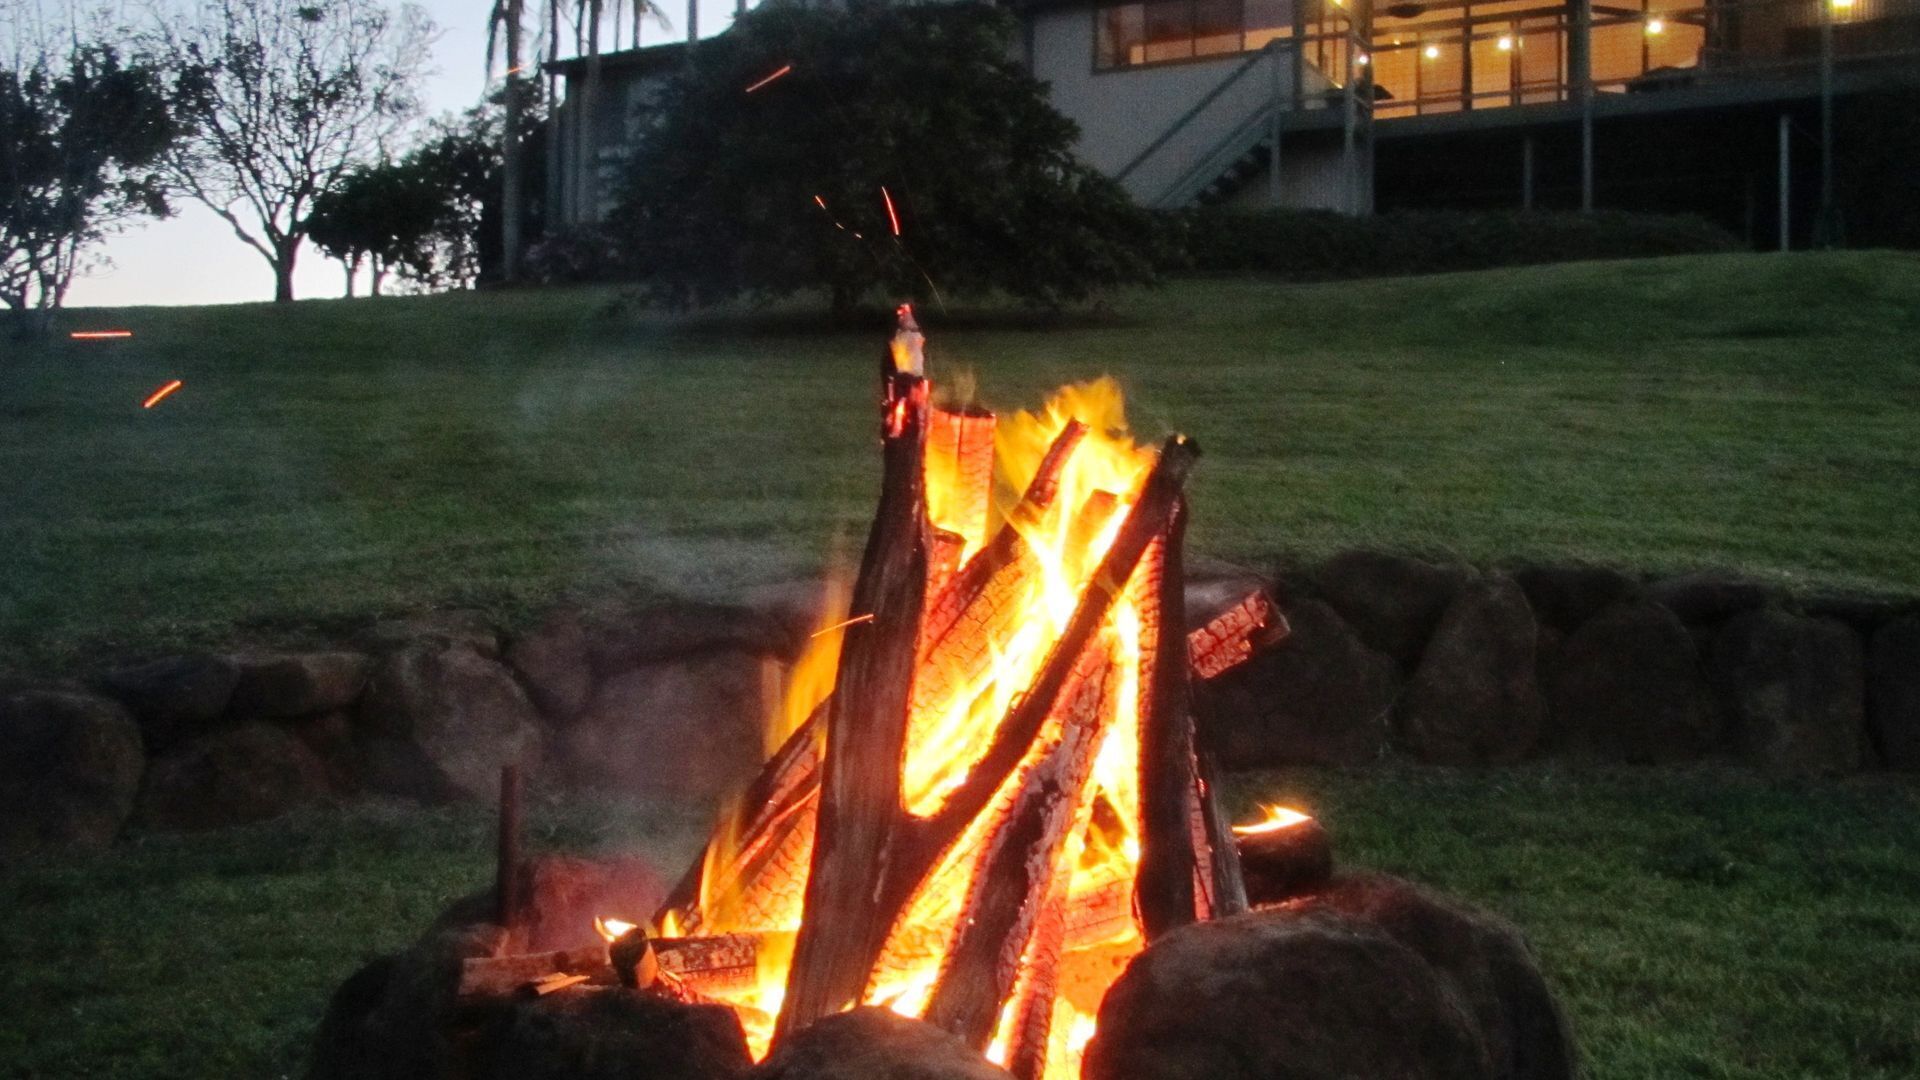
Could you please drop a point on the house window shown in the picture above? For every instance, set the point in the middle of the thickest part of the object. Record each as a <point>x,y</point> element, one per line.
<point>1157,31</point>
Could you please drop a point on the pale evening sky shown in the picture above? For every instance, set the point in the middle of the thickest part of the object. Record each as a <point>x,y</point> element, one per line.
<point>194,258</point>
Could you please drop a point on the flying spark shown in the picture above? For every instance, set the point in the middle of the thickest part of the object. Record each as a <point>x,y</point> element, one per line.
<point>855,621</point>
<point>160,394</point>
<point>770,78</point>
<point>891,216</point>
<point>99,335</point>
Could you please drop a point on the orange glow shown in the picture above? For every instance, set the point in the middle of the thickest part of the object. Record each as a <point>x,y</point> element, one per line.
<point>1278,817</point>
<point>610,929</point>
<point>970,674</point>
<point>783,70</point>
<point>99,335</point>
<point>160,394</point>
<point>892,217</point>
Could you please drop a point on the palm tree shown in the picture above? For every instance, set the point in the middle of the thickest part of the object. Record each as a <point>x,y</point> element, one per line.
<point>506,17</point>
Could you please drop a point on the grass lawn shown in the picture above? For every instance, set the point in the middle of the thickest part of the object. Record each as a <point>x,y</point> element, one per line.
<point>328,462</point>
<point>1696,923</point>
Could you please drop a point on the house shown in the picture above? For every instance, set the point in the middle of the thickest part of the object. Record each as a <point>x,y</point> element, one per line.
<point>1711,107</point>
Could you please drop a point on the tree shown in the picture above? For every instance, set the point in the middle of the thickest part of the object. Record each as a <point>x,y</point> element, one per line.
<point>80,135</point>
<point>505,21</point>
<point>381,215</point>
<point>286,97</point>
<point>917,114</point>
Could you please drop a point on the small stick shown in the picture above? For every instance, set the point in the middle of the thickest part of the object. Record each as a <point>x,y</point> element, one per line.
<point>506,877</point>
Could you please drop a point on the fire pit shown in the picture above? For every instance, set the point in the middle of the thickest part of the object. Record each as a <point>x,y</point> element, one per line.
<point>994,804</point>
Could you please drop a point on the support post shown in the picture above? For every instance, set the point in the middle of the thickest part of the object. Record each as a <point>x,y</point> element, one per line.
<point>1786,182</point>
<point>1580,73</point>
<point>1273,122</point>
<point>1526,172</point>
<point>693,21</point>
<point>1349,124</point>
<point>506,872</point>
<point>1825,227</point>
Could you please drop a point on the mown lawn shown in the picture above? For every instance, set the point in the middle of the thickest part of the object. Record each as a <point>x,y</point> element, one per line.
<point>329,462</point>
<point>1696,923</point>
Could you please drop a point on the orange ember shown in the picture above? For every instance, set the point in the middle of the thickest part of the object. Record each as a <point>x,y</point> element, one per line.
<point>1278,817</point>
<point>160,394</point>
<point>783,70</point>
<point>99,335</point>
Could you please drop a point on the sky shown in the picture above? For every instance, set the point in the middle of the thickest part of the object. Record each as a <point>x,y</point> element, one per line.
<point>194,258</point>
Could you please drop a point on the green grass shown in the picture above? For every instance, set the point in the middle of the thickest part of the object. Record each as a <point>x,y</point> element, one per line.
<point>329,462</point>
<point>1696,923</point>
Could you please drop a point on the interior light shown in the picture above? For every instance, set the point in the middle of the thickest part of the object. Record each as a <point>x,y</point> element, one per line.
<point>1505,43</point>
<point>1842,5</point>
<point>1433,52</point>
<point>1654,26</point>
<point>1361,59</point>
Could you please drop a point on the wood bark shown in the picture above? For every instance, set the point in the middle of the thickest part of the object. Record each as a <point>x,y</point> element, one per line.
<point>1164,885</point>
<point>866,729</point>
<point>508,899</point>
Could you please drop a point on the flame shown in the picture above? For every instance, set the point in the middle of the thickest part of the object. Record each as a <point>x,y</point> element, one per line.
<point>1278,817</point>
<point>955,712</point>
<point>610,929</point>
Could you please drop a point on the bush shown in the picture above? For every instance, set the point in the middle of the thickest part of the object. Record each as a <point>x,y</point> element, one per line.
<point>1319,245</point>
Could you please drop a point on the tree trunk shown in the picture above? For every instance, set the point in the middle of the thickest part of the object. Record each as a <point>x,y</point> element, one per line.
<point>285,253</point>
<point>379,274</point>
<point>511,154</point>
<point>353,268</point>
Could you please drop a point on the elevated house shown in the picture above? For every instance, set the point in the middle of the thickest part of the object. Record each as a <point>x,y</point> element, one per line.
<point>1713,107</point>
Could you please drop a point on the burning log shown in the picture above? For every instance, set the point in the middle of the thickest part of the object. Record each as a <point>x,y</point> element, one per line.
<point>1283,856</point>
<point>1232,636</point>
<point>867,722</point>
<point>1229,882</point>
<point>1164,884</point>
<point>492,976</point>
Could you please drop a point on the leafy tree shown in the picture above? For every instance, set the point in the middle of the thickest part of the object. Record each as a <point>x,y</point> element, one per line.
<point>80,135</point>
<point>286,97</point>
<point>780,190</point>
<point>381,215</point>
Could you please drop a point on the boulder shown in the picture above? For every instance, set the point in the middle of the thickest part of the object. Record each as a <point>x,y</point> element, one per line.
<point>278,685</point>
<point>443,716</point>
<point>70,767</point>
<point>553,662</point>
<point>1475,697</point>
<point>562,894</point>
<point>621,638</point>
<point>690,727</point>
<point>458,627</point>
<point>1486,961</point>
<point>231,777</point>
<point>176,697</point>
<point>614,1034</point>
<point>1271,993</point>
<point>333,741</point>
<point>1794,689</point>
<point>1391,601</point>
<point>1318,697</point>
<point>1893,692</point>
<point>872,1043</point>
<point>1708,595</point>
<point>1627,686</point>
<point>1564,596</point>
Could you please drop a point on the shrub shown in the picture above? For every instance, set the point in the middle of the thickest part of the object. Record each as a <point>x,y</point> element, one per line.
<point>1319,245</point>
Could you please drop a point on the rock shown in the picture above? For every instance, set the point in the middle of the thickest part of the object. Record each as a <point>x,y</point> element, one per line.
<point>1794,689</point>
<point>1893,692</point>
<point>1486,961</point>
<point>232,777</point>
<point>1391,601</point>
<point>394,1018</point>
<point>176,697</point>
<point>620,639</point>
<point>1627,686</point>
<point>1475,697</point>
<point>615,1034</point>
<point>331,738</point>
<point>459,627</point>
<point>1564,596</point>
<point>70,766</point>
<point>872,1043</point>
<point>553,662</point>
<point>687,727</point>
<point>1275,994</point>
<point>1864,612</point>
<point>1708,595</point>
<point>1213,589</point>
<point>562,895</point>
<point>446,717</point>
<point>1319,697</point>
<point>276,685</point>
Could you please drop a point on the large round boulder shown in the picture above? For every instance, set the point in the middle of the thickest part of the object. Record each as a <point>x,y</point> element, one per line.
<point>1794,689</point>
<point>614,1034</point>
<point>555,664</point>
<point>1627,686</point>
<point>70,767</point>
<point>176,697</point>
<point>1273,993</point>
<point>232,777</point>
<point>441,719</point>
<point>1565,595</point>
<point>874,1044</point>
<point>1893,692</point>
<point>1318,697</point>
<point>1475,697</point>
<point>279,685</point>
<point>692,726</point>
<point>1392,601</point>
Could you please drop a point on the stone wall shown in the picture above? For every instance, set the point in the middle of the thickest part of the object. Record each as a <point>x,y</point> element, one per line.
<point>1388,657</point>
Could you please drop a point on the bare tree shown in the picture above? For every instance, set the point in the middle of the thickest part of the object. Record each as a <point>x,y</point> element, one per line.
<point>285,97</point>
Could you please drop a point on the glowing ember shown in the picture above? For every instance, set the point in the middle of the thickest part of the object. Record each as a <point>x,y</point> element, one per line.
<point>1278,817</point>
<point>892,217</point>
<point>770,78</point>
<point>611,929</point>
<point>843,624</point>
<point>99,335</point>
<point>160,394</point>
